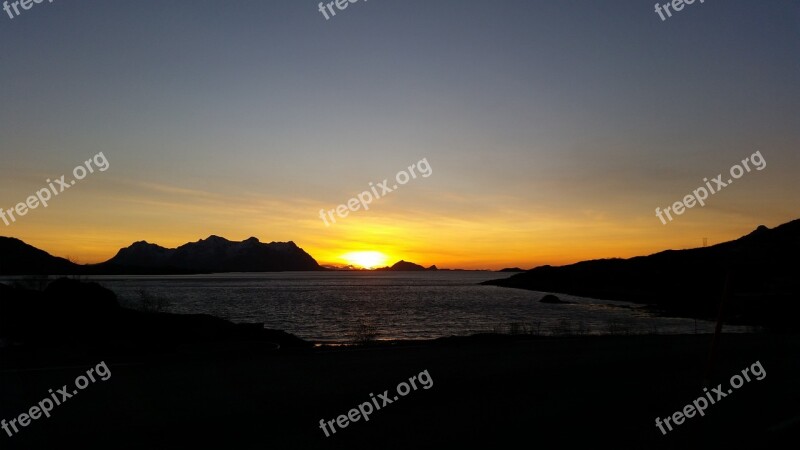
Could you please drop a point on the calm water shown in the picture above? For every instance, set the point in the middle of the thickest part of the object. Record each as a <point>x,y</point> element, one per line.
<point>336,306</point>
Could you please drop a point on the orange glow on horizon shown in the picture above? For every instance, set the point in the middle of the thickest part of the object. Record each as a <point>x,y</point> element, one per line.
<point>492,238</point>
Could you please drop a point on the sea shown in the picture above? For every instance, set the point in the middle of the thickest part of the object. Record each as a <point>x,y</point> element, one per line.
<point>339,307</point>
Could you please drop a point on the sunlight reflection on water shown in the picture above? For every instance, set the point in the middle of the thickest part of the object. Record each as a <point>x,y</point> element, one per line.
<point>336,306</point>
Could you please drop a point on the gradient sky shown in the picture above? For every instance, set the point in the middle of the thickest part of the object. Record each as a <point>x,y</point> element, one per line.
<point>554,129</point>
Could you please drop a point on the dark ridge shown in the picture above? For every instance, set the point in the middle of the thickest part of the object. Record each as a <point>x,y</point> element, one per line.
<point>761,269</point>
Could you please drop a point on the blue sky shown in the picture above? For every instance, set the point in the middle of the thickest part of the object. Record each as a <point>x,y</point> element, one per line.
<point>554,128</point>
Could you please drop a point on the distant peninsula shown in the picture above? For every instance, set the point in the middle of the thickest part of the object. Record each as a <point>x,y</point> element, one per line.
<point>755,274</point>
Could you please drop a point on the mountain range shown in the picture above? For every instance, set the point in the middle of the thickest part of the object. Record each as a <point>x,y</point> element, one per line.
<point>757,274</point>
<point>211,255</point>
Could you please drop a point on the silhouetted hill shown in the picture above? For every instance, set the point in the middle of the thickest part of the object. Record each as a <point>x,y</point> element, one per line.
<point>19,258</point>
<point>216,254</point>
<point>762,266</point>
<point>405,266</point>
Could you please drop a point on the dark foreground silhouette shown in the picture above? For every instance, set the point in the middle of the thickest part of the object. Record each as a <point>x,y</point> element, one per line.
<point>198,382</point>
<point>72,312</point>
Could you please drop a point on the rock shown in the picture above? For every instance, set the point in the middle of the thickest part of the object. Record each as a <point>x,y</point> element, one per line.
<point>550,298</point>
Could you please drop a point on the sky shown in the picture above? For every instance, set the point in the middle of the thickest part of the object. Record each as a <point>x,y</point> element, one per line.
<point>553,130</point>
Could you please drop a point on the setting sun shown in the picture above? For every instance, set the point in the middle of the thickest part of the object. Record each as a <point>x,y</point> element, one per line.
<point>367,260</point>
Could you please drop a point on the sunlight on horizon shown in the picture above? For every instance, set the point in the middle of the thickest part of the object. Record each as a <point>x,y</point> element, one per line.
<point>366,260</point>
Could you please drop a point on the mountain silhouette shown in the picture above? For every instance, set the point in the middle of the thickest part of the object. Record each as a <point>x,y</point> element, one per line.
<point>758,270</point>
<point>214,254</point>
<point>511,269</point>
<point>405,266</point>
<point>19,258</point>
<point>217,254</point>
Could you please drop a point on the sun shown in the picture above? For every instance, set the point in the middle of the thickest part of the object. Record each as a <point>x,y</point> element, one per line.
<point>367,260</point>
